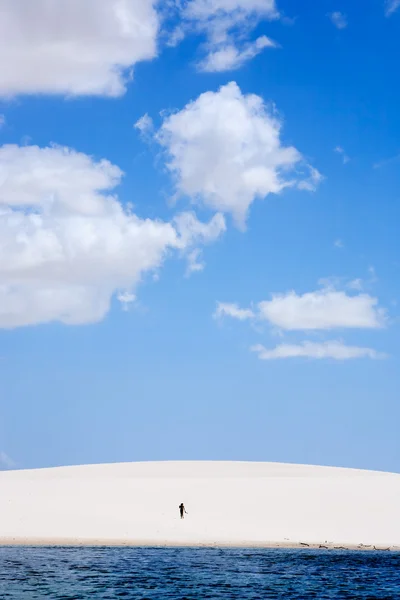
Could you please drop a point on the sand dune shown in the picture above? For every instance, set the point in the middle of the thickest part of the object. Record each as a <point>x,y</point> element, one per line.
<point>229,503</point>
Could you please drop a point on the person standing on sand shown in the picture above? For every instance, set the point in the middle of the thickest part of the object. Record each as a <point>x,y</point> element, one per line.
<point>182,510</point>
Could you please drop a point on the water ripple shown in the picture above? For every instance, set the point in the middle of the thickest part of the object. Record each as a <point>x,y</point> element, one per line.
<point>196,574</point>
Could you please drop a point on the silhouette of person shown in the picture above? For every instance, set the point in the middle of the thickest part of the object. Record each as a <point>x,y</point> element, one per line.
<point>182,510</point>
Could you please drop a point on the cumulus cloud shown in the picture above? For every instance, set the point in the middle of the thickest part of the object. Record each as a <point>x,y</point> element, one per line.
<point>322,309</point>
<point>66,242</point>
<point>338,19</point>
<point>227,25</point>
<point>225,151</point>
<point>331,349</point>
<point>391,6</point>
<point>74,47</point>
<point>232,310</point>
<point>327,308</point>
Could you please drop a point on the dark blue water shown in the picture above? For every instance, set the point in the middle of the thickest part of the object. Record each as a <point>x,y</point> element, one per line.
<point>185,573</point>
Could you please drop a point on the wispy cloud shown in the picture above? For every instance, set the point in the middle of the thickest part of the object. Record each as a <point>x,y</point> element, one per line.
<point>356,284</point>
<point>194,262</point>
<point>335,350</point>
<point>126,299</point>
<point>338,243</point>
<point>5,461</point>
<point>340,150</point>
<point>229,57</point>
<point>2,120</point>
<point>233,310</point>
<point>227,26</point>
<point>391,7</point>
<point>145,125</point>
<point>339,19</point>
<point>387,161</point>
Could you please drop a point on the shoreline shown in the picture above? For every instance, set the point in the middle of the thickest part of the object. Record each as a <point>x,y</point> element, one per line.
<point>159,544</point>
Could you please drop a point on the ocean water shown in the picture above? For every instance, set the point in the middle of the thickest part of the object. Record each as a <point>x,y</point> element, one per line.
<point>187,573</point>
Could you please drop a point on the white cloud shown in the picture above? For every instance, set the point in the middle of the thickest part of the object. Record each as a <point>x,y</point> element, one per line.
<point>228,57</point>
<point>322,309</point>
<point>2,120</point>
<point>145,125</point>
<point>387,161</point>
<point>391,7</point>
<point>225,151</point>
<point>189,227</point>
<point>67,244</point>
<point>332,349</point>
<point>232,310</point>
<point>5,461</point>
<point>340,150</point>
<point>227,25</point>
<point>338,19</point>
<point>210,10</point>
<point>193,261</point>
<point>74,47</point>
<point>338,243</point>
<point>356,284</point>
<point>126,299</point>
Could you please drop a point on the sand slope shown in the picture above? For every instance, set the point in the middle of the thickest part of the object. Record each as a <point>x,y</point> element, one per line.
<point>228,503</point>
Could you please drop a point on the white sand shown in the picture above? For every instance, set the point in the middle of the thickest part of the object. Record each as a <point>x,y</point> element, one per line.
<point>228,504</point>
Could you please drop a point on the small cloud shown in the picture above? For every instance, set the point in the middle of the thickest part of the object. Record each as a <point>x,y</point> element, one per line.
<point>193,263</point>
<point>340,150</point>
<point>145,125</point>
<point>229,57</point>
<point>338,243</point>
<point>2,121</point>
<point>338,19</point>
<point>311,183</point>
<point>233,310</point>
<point>372,273</point>
<point>330,283</point>
<point>322,309</point>
<point>126,299</point>
<point>26,140</point>
<point>391,7</point>
<point>387,161</point>
<point>289,21</point>
<point>176,37</point>
<point>227,27</point>
<point>356,284</point>
<point>6,462</point>
<point>336,350</point>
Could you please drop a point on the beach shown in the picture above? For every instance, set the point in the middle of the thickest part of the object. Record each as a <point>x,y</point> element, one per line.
<point>234,504</point>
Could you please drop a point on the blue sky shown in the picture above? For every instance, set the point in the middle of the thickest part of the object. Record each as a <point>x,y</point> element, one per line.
<point>199,255</point>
